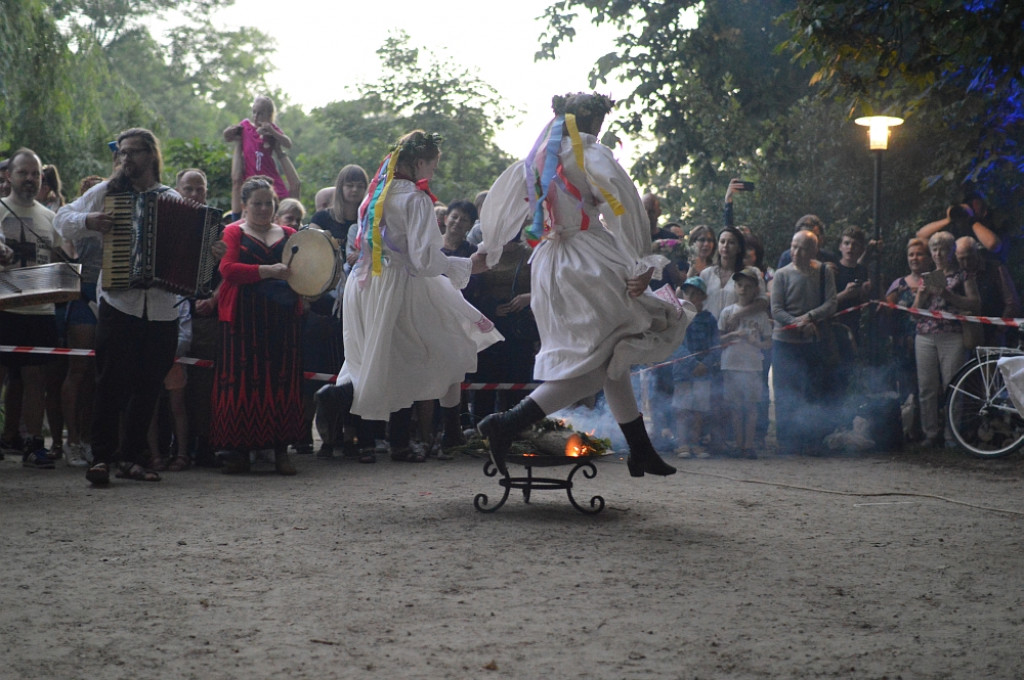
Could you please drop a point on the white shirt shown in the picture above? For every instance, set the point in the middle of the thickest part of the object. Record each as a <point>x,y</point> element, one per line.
<point>154,304</point>
<point>38,234</point>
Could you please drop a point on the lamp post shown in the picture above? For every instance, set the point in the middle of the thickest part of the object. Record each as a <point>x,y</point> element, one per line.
<point>878,142</point>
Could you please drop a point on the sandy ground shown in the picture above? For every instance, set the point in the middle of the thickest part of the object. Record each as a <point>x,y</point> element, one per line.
<point>881,566</point>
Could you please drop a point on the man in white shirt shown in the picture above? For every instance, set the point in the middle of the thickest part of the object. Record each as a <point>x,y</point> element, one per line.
<point>137,331</point>
<point>27,230</point>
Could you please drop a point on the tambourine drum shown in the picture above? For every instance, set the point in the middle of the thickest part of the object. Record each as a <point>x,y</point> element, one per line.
<point>313,257</point>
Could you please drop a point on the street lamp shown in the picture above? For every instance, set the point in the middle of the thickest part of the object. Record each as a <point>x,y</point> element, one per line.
<point>878,142</point>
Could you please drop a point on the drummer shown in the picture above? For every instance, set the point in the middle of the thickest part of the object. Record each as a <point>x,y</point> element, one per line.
<point>257,399</point>
<point>26,226</point>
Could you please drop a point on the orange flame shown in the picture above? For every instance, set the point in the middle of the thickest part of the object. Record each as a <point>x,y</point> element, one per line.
<point>574,448</point>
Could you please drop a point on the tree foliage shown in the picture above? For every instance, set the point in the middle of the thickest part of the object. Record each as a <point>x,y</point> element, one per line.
<point>73,73</point>
<point>717,87</point>
<point>957,64</point>
<point>416,89</point>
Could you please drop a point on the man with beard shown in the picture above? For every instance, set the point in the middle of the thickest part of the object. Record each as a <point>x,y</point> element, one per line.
<point>137,331</point>
<point>27,228</point>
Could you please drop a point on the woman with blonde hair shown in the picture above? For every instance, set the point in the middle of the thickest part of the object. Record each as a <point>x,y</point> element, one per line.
<point>938,343</point>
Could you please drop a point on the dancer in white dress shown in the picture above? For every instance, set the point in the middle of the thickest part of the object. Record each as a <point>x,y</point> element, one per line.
<point>409,334</point>
<point>590,271</point>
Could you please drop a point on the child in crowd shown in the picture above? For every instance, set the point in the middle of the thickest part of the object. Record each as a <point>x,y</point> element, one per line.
<point>746,337</point>
<point>691,396</point>
<point>257,143</point>
<point>290,213</point>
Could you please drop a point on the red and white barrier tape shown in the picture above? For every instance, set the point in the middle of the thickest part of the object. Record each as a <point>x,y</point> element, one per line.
<point>987,320</point>
<point>330,377</point>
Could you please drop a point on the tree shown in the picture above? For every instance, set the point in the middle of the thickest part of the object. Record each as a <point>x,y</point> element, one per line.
<point>415,90</point>
<point>957,65</point>
<point>48,98</point>
<point>703,89</point>
<point>717,88</point>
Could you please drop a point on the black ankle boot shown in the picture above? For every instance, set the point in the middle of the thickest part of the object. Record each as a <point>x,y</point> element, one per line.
<point>332,405</point>
<point>501,429</point>
<point>452,433</point>
<point>642,456</point>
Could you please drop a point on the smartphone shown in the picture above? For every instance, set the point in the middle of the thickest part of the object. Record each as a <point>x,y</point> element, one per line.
<point>748,186</point>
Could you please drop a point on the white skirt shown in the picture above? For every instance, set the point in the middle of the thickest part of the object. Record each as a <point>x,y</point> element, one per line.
<point>585,316</point>
<point>408,339</point>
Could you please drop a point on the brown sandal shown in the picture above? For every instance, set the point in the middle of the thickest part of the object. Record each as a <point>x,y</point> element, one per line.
<point>179,464</point>
<point>98,474</point>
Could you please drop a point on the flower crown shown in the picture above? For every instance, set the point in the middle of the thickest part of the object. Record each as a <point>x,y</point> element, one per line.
<point>419,145</point>
<point>582,104</point>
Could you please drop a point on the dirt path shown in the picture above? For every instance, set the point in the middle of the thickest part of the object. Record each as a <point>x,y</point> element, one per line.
<point>727,570</point>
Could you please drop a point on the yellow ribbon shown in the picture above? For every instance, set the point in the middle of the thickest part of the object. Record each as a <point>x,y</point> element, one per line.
<point>377,265</point>
<point>577,150</point>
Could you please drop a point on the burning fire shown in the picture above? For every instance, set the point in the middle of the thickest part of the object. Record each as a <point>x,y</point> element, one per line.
<point>574,448</point>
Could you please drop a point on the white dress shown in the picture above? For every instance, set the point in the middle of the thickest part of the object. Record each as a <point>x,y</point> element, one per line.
<point>409,334</point>
<point>585,316</point>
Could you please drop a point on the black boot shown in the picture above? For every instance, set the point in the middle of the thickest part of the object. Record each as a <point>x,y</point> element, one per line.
<point>332,405</point>
<point>501,429</point>
<point>642,456</point>
<point>452,433</point>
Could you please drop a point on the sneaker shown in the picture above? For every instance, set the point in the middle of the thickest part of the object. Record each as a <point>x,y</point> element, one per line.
<point>325,452</point>
<point>683,452</point>
<point>36,455</point>
<point>436,451</point>
<point>74,456</point>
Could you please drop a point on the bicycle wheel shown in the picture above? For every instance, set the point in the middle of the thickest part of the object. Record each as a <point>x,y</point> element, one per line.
<point>980,414</point>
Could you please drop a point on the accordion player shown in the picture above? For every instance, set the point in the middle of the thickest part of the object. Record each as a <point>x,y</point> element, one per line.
<point>162,240</point>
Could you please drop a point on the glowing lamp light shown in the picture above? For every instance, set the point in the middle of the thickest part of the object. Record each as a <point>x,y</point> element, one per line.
<point>878,130</point>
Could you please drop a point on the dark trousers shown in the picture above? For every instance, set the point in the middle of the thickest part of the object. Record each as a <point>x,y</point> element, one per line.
<point>133,356</point>
<point>804,406</point>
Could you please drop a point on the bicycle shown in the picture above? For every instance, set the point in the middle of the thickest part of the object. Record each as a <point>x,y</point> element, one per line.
<point>983,419</point>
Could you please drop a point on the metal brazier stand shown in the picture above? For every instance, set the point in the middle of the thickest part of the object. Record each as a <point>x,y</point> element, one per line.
<point>529,483</point>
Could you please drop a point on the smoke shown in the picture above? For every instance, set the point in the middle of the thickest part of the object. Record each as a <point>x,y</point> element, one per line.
<point>596,421</point>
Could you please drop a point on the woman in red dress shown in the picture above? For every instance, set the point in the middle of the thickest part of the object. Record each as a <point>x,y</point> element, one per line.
<point>257,396</point>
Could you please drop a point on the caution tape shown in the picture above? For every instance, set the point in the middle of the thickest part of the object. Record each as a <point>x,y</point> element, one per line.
<point>330,377</point>
<point>188,361</point>
<point>950,316</point>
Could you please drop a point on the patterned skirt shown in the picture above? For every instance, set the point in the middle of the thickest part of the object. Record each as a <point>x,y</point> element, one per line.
<point>257,395</point>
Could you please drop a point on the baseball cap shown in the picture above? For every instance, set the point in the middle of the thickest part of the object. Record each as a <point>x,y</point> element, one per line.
<point>696,282</point>
<point>749,272</point>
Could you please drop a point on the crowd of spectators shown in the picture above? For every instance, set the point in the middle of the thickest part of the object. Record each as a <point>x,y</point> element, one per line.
<point>804,323</point>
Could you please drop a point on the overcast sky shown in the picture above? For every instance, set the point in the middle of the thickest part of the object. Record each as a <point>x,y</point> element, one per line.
<point>498,39</point>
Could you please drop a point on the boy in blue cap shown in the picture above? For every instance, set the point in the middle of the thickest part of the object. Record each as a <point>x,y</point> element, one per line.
<point>698,360</point>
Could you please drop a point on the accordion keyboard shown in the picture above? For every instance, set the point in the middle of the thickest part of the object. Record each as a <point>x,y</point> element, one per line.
<point>118,242</point>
